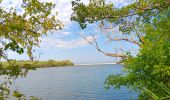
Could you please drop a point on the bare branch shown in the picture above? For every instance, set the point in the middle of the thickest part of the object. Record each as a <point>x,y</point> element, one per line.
<point>139,37</point>
<point>110,38</point>
<point>95,44</point>
<point>124,39</point>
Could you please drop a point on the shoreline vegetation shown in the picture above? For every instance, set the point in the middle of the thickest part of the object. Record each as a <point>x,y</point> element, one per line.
<point>36,64</point>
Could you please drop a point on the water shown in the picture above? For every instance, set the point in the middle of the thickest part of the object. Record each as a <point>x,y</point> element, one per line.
<point>72,83</point>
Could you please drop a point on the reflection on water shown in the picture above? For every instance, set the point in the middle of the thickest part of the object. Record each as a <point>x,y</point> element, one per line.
<point>72,83</point>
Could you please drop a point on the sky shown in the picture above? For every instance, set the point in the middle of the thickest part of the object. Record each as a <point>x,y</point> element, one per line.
<point>67,43</point>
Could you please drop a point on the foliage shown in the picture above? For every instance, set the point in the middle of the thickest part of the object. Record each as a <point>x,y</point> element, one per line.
<point>129,19</point>
<point>36,64</point>
<point>155,96</point>
<point>142,10</point>
<point>20,32</point>
<point>148,22</point>
<point>151,64</point>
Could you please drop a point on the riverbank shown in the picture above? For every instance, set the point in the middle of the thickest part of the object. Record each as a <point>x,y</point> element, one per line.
<point>36,64</point>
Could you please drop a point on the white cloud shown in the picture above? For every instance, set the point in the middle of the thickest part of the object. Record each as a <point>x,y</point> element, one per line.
<point>64,9</point>
<point>66,33</point>
<point>59,43</point>
<point>61,32</point>
<point>71,44</point>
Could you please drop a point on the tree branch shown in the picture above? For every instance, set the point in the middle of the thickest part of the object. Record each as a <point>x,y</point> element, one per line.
<point>138,10</point>
<point>125,39</point>
<point>95,44</point>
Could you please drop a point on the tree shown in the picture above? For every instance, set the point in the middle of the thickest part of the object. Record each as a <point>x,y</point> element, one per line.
<point>151,65</point>
<point>143,23</point>
<point>129,19</point>
<point>20,32</point>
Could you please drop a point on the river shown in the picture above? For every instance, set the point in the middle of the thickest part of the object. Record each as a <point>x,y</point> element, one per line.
<point>72,83</point>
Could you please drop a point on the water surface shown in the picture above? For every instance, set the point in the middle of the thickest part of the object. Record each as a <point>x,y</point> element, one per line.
<point>72,83</point>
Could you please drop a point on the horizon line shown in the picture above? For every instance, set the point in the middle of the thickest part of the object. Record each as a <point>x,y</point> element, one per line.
<point>95,64</point>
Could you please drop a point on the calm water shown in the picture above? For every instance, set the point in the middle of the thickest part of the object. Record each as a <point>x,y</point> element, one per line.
<point>72,83</point>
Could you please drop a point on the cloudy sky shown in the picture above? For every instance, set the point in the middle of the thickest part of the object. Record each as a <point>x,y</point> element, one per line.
<point>67,43</point>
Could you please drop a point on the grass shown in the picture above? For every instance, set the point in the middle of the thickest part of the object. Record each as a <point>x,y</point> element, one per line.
<point>36,64</point>
<point>154,96</point>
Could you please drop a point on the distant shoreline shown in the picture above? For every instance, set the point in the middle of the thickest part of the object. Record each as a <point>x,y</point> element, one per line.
<point>95,64</point>
<point>36,64</point>
<point>46,64</point>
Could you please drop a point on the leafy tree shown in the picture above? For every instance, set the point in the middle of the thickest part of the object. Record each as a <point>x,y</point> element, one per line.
<point>151,64</point>
<point>20,32</point>
<point>143,23</point>
<point>129,19</point>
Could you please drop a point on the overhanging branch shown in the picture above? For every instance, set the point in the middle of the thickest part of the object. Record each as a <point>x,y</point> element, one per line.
<point>95,44</point>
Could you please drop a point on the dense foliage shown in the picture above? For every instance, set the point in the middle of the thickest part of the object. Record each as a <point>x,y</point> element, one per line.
<point>23,30</point>
<point>20,30</point>
<point>148,21</point>
<point>151,65</point>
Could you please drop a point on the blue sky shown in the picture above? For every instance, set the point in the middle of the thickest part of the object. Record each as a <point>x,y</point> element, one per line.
<point>67,43</point>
